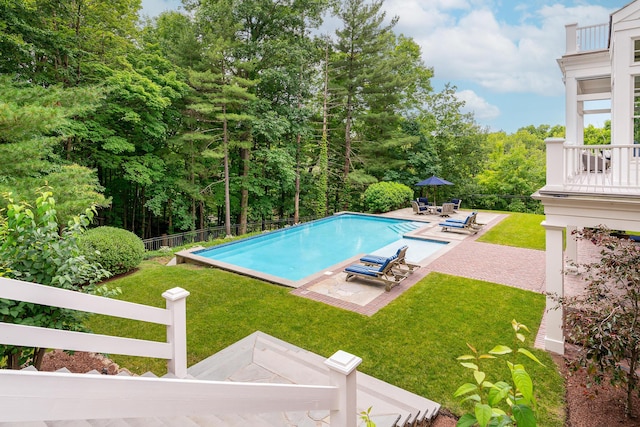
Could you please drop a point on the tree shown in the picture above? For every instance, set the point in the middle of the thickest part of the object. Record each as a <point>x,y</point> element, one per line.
<point>33,122</point>
<point>455,142</point>
<point>515,168</point>
<point>598,136</point>
<point>403,85</point>
<point>34,249</point>
<point>603,320</point>
<point>361,69</point>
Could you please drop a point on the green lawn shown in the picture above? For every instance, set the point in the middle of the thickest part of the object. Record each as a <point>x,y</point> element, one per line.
<point>412,343</point>
<point>518,229</point>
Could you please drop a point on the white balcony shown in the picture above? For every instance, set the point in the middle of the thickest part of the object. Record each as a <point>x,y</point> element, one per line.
<point>612,170</point>
<point>587,39</point>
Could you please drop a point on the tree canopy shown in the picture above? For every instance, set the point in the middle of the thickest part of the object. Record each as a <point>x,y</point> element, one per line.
<point>234,111</point>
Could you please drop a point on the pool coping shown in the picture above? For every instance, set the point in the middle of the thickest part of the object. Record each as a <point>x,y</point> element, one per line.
<point>189,255</point>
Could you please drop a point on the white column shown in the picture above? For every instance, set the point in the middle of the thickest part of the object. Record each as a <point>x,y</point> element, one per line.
<point>555,163</point>
<point>571,250</point>
<point>571,38</point>
<point>554,336</point>
<point>571,111</point>
<point>579,121</point>
<point>342,373</point>
<point>176,299</point>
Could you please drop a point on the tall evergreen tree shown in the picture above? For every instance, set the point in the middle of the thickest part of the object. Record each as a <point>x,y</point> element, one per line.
<point>361,70</point>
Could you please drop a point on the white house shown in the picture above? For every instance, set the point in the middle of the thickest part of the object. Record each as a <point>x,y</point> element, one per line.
<point>587,186</point>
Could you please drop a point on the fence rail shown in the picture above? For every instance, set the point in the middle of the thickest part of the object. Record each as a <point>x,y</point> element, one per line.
<point>211,233</point>
<point>31,396</point>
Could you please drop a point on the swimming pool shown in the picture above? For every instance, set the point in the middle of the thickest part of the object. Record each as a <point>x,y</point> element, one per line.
<point>302,250</point>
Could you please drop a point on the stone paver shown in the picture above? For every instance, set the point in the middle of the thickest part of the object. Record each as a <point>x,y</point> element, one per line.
<point>517,267</point>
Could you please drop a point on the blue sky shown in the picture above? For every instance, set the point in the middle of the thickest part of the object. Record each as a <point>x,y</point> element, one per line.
<point>500,54</point>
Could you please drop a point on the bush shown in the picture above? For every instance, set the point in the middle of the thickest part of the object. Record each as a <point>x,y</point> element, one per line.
<point>117,250</point>
<point>34,247</point>
<point>386,196</point>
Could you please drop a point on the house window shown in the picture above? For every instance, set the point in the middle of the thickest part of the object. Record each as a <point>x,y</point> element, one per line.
<point>636,50</point>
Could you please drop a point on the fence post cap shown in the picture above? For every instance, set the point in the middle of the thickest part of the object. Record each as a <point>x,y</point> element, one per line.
<point>343,362</point>
<point>175,294</point>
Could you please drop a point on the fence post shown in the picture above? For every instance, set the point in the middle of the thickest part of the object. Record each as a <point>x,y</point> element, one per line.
<point>176,299</point>
<point>342,373</point>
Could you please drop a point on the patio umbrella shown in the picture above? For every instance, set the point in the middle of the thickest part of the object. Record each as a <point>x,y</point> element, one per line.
<point>433,181</point>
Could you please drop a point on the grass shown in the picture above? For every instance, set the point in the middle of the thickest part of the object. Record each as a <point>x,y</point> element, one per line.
<point>518,229</point>
<point>412,343</point>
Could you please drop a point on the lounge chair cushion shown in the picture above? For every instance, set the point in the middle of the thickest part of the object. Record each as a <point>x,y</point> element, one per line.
<point>377,259</point>
<point>452,224</point>
<point>461,221</point>
<point>373,259</point>
<point>363,269</point>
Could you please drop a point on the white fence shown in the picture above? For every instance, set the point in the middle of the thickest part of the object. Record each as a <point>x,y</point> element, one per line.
<point>40,396</point>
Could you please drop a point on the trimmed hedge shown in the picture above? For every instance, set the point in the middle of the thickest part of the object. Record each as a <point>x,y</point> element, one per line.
<point>386,196</point>
<point>117,250</point>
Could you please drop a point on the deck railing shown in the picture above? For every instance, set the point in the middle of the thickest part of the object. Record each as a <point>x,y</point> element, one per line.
<point>601,169</point>
<point>588,38</point>
<point>29,396</point>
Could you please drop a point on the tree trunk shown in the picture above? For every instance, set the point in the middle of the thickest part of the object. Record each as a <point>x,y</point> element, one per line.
<point>227,198</point>
<point>296,199</point>
<point>201,226</point>
<point>323,161</point>
<point>169,217</point>
<point>347,155</point>
<point>134,208</point>
<point>38,355</point>
<point>13,359</point>
<point>244,192</point>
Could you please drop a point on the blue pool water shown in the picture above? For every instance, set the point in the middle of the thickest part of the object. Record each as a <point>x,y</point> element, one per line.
<point>297,252</point>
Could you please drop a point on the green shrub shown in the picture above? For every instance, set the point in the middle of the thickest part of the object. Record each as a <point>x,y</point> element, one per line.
<point>386,196</point>
<point>35,248</point>
<point>117,250</point>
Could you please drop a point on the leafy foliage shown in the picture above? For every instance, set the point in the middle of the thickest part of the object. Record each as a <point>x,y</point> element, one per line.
<point>603,320</point>
<point>34,249</point>
<point>386,196</point>
<point>116,250</point>
<point>143,109</point>
<point>499,403</point>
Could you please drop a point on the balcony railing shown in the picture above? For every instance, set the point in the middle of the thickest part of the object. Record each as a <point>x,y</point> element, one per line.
<point>589,38</point>
<point>593,169</point>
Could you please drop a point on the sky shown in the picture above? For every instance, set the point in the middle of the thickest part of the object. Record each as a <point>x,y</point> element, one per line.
<point>499,54</point>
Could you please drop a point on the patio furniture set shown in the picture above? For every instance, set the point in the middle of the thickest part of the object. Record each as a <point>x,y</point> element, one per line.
<point>422,206</point>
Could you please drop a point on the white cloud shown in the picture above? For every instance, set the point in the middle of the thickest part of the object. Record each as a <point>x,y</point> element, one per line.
<point>464,41</point>
<point>477,105</point>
